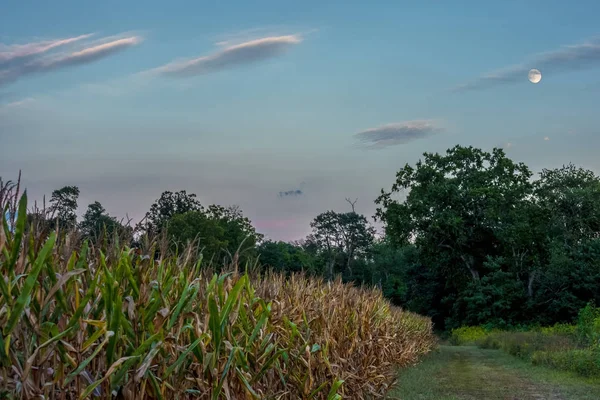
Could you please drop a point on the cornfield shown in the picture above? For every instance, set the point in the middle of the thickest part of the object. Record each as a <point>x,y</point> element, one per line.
<point>79,321</point>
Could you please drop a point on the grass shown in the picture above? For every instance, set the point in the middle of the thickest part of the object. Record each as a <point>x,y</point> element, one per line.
<point>467,372</point>
<point>80,321</point>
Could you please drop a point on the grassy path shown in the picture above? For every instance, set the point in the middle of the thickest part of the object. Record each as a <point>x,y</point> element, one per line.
<point>467,372</point>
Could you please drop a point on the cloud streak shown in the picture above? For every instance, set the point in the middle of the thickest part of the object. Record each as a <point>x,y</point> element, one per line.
<point>291,193</point>
<point>397,133</point>
<point>231,56</point>
<point>563,59</point>
<point>18,61</point>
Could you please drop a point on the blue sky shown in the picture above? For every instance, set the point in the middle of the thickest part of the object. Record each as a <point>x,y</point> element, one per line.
<point>239,101</point>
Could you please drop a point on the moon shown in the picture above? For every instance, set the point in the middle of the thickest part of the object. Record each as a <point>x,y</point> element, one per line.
<point>535,76</point>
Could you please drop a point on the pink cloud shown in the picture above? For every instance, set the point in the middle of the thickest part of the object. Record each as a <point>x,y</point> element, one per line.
<point>243,53</point>
<point>30,59</point>
<point>12,52</point>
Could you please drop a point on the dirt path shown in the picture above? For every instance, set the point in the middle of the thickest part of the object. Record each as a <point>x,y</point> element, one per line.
<point>466,372</point>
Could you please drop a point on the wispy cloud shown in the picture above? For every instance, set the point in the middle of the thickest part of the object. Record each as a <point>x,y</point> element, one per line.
<point>18,103</point>
<point>239,54</point>
<point>18,61</point>
<point>563,59</point>
<point>397,133</point>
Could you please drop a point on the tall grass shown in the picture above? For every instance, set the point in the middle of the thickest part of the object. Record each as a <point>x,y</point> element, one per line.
<point>85,322</point>
<point>562,346</point>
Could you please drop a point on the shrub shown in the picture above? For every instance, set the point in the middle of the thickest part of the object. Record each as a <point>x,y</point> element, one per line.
<point>467,335</point>
<point>78,321</point>
<point>559,329</point>
<point>588,325</point>
<point>585,362</point>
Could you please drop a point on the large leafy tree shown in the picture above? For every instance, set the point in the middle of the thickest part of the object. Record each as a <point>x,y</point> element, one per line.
<point>285,257</point>
<point>198,228</point>
<point>63,206</point>
<point>96,222</point>
<point>341,238</point>
<point>168,205</point>
<point>571,198</point>
<point>220,232</point>
<point>456,204</point>
<point>455,208</point>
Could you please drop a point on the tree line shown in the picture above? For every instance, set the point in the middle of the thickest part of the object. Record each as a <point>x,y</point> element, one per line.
<point>471,237</point>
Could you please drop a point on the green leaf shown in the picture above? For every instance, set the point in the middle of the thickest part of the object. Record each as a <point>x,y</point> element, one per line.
<point>85,362</point>
<point>118,377</point>
<point>25,295</point>
<point>181,358</point>
<point>232,297</point>
<point>334,389</point>
<point>18,236</point>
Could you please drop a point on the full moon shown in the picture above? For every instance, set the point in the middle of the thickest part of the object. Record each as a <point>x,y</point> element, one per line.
<point>534,76</point>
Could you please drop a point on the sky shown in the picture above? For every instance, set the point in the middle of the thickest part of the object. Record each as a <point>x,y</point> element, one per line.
<point>285,108</point>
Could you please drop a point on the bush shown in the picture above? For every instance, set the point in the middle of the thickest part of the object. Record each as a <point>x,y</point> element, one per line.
<point>562,346</point>
<point>524,344</point>
<point>588,326</point>
<point>78,321</point>
<point>559,329</point>
<point>585,362</point>
<point>467,335</point>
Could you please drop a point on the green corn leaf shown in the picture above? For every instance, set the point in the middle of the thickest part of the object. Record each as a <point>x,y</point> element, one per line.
<point>115,325</point>
<point>261,322</point>
<point>85,362</point>
<point>92,339</point>
<point>246,384</point>
<point>25,295</point>
<point>48,342</point>
<point>18,235</point>
<point>232,297</point>
<point>86,299</point>
<point>267,365</point>
<point>217,392</point>
<point>214,325</point>
<point>118,377</point>
<point>155,386</point>
<point>110,371</point>
<point>181,358</point>
<point>189,292</point>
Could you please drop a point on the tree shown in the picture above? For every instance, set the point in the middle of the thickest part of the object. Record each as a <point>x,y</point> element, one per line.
<point>96,221</point>
<point>220,232</point>
<point>456,203</point>
<point>197,226</point>
<point>455,210</point>
<point>341,236</point>
<point>571,199</point>
<point>168,205</point>
<point>285,257</point>
<point>63,205</point>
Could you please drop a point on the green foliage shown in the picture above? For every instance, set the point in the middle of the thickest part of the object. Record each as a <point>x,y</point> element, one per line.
<point>559,329</point>
<point>168,205</point>
<point>341,238</point>
<point>97,223</point>
<point>218,232</point>
<point>585,362</point>
<point>561,346</point>
<point>63,205</point>
<point>286,257</point>
<point>495,248</point>
<point>467,335</point>
<point>588,326</point>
